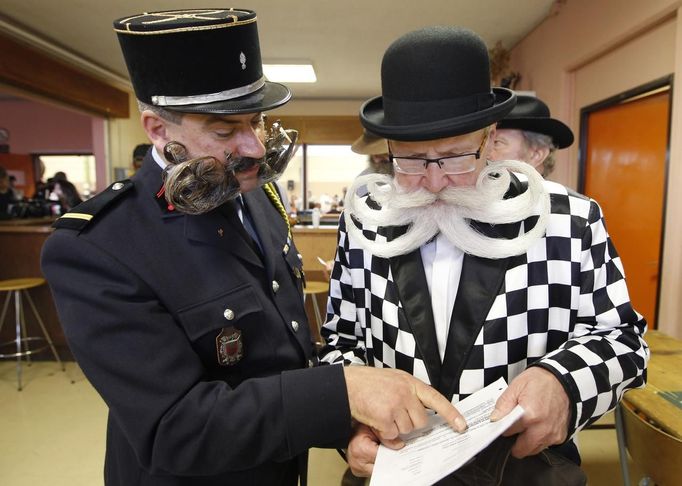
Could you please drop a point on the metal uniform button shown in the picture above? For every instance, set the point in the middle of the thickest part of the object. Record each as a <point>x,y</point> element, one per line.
<point>228,314</point>
<point>294,325</point>
<point>300,257</point>
<point>285,250</point>
<point>275,286</point>
<point>310,363</point>
<point>117,186</point>
<point>297,272</point>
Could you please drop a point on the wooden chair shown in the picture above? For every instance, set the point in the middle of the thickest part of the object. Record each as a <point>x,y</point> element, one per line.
<point>22,343</point>
<point>655,453</point>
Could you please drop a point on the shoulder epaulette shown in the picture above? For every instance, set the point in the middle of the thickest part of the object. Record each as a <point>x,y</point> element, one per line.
<point>80,216</point>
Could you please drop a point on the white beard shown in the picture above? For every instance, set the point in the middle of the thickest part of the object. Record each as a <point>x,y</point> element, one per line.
<point>449,212</point>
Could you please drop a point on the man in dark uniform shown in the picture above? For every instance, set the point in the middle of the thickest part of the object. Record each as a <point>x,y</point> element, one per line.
<point>180,291</point>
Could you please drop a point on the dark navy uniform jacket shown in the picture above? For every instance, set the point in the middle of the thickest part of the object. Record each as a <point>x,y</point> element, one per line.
<point>143,292</point>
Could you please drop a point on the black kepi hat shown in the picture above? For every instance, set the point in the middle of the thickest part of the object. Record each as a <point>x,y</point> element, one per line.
<point>198,61</point>
<point>532,114</point>
<point>435,83</point>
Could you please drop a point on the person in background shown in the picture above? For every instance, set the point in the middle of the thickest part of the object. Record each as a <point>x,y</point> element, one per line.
<point>18,193</point>
<point>42,187</point>
<point>376,150</point>
<point>461,274</point>
<point>139,153</point>
<point>529,134</point>
<point>65,191</point>
<point>335,209</point>
<point>7,196</point>
<point>180,291</point>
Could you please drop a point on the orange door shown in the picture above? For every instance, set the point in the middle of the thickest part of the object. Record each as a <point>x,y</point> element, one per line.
<point>625,172</point>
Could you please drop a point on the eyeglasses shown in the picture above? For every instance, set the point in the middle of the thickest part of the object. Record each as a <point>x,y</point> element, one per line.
<point>451,164</point>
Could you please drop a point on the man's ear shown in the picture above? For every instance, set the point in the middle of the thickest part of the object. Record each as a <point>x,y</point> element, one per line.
<point>156,129</point>
<point>537,156</point>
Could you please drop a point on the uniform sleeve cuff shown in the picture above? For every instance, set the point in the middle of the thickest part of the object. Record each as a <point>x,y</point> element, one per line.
<point>316,408</point>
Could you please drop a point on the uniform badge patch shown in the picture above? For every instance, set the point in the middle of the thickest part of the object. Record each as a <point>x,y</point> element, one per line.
<point>229,346</point>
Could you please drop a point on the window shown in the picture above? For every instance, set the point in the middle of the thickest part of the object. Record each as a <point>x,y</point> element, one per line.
<point>79,169</point>
<point>320,175</point>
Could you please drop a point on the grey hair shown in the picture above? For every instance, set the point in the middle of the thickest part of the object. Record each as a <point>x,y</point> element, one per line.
<point>169,115</point>
<point>537,140</point>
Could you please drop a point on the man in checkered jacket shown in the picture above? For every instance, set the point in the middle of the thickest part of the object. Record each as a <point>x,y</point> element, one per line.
<point>461,273</point>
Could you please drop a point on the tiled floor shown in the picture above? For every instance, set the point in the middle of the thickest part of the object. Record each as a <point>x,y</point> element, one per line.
<point>52,433</point>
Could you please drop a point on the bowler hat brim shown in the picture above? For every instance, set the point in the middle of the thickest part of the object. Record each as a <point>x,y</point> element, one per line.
<point>562,136</point>
<point>372,118</point>
<point>270,96</point>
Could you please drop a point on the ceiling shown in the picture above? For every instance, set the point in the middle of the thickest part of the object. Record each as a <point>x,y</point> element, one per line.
<point>344,40</point>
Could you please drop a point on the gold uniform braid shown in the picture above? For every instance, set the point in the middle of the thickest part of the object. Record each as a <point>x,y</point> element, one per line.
<point>270,190</point>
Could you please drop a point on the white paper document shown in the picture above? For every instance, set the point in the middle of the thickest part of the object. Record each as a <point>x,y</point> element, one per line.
<point>437,450</point>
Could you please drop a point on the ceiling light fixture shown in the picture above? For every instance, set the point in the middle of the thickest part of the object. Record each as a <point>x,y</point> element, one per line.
<point>290,73</point>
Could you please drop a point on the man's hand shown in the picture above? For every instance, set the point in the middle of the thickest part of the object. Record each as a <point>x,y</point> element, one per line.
<point>363,448</point>
<point>393,402</point>
<point>546,406</point>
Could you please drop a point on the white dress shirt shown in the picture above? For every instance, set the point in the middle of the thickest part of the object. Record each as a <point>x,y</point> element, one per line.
<point>443,268</point>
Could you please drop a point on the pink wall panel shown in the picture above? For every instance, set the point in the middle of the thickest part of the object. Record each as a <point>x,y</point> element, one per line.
<point>36,127</point>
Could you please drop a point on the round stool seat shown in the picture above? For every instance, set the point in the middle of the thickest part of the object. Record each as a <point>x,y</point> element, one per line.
<point>316,287</point>
<point>24,345</point>
<point>20,283</point>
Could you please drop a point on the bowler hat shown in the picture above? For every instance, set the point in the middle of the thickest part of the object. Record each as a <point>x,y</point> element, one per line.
<point>532,115</point>
<point>198,61</point>
<point>435,83</point>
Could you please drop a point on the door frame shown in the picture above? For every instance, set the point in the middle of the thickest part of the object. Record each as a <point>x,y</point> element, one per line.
<point>625,96</point>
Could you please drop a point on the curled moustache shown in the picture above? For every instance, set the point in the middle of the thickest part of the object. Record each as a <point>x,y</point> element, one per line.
<point>450,212</point>
<point>197,185</point>
<point>201,184</point>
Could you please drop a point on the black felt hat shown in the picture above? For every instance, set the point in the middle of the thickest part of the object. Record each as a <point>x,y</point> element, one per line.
<point>435,83</point>
<point>198,61</point>
<point>532,114</point>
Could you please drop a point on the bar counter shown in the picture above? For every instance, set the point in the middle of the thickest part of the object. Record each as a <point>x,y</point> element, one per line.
<point>313,243</point>
<point>21,241</point>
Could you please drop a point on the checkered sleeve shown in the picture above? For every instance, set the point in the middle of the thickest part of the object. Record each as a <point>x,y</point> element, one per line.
<point>606,354</point>
<point>344,328</point>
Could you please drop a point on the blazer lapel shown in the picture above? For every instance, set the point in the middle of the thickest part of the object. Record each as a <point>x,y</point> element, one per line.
<point>413,292</point>
<point>479,284</point>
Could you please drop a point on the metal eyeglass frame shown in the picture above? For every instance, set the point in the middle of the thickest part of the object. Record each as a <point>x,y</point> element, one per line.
<point>438,160</point>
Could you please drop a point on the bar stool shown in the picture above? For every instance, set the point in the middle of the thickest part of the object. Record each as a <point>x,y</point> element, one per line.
<point>19,288</point>
<point>316,288</point>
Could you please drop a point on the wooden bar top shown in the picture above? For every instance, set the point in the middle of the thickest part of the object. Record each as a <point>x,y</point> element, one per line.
<point>27,225</point>
<point>21,241</point>
<point>660,399</point>
<point>303,229</point>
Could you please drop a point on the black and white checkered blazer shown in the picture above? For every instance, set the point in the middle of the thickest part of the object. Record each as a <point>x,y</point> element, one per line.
<point>563,305</point>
